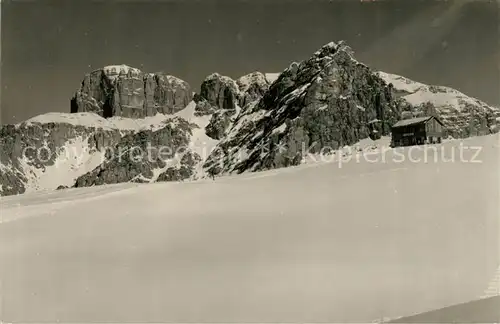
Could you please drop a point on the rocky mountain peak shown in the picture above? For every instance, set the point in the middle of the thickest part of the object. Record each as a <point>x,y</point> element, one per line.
<point>220,91</point>
<point>332,48</point>
<point>121,90</point>
<point>254,78</point>
<point>252,87</point>
<point>325,101</point>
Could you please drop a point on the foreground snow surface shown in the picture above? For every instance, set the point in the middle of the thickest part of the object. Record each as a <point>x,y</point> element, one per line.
<point>315,243</point>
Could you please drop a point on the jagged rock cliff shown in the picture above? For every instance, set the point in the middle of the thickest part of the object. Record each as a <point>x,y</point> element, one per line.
<point>120,90</point>
<point>220,91</point>
<point>147,156</point>
<point>252,87</point>
<point>325,102</point>
<point>222,98</point>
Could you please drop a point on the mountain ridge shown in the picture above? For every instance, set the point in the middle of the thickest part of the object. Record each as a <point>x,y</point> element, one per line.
<point>257,122</point>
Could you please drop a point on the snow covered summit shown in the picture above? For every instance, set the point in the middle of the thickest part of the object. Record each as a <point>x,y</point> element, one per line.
<point>462,115</point>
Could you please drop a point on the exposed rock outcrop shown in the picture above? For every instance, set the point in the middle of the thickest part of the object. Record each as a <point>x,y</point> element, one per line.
<point>56,151</point>
<point>145,156</point>
<point>42,155</point>
<point>327,101</point>
<point>220,91</point>
<point>252,87</point>
<point>222,98</point>
<point>219,123</point>
<point>128,92</point>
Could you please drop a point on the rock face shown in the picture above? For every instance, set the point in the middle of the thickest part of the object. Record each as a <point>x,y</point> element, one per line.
<point>220,91</point>
<point>218,100</point>
<point>252,87</point>
<point>462,115</point>
<point>30,149</point>
<point>219,123</point>
<point>147,156</point>
<point>325,102</point>
<point>222,98</point>
<point>57,151</point>
<point>128,92</point>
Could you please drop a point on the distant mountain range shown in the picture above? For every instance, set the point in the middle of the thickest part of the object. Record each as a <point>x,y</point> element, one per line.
<point>127,125</point>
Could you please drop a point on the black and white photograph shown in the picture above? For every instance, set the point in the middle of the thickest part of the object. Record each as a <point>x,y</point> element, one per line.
<point>250,161</point>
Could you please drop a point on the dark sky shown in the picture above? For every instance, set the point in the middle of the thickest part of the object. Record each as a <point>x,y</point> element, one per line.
<point>48,46</point>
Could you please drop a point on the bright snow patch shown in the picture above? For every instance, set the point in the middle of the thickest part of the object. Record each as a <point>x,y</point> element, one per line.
<point>200,142</point>
<point>280,129</point>
<point>271,77</point>
<point>112,71</point>
<point>88,119</point>
<point>439,96</point>
<point>74,159</point>
<point>175,80</point>
<point>401,83</point>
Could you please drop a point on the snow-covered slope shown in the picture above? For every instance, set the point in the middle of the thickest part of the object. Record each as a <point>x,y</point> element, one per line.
<point>462,115</point>
<point>418,93</point>
<point>476,311</point>
<point>92,120</point>
<point>317,243</point>
<point>494,286</point>
<point>73,159</point>
<point>56,149</point>
<point>200,142</point>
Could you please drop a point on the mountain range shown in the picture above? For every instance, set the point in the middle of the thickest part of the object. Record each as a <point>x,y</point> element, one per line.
<point>126,125</point>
